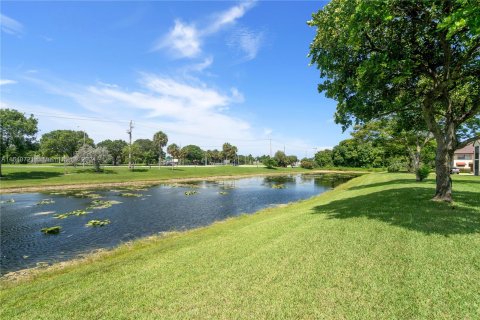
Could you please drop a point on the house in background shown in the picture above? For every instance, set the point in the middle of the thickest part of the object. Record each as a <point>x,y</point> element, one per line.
<point>476,156</point>
<point>464,158</point>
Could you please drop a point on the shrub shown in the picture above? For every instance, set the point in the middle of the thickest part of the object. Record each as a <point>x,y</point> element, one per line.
<point>423,172</point>
<point>270,163</point>
<point>394,167</point>
<point>465,170</point>
<point>307,164</point>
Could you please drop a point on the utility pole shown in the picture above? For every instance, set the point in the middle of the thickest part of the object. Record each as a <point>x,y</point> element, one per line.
<point>270,139</point>
<point>129,131</point>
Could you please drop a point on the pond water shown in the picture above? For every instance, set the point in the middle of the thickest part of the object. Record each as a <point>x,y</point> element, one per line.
<point>135,214</point>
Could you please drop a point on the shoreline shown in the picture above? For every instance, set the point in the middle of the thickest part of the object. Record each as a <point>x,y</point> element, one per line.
<point>148,183</point>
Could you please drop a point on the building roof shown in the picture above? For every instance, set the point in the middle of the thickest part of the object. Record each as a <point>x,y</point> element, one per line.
<point>468,149</point>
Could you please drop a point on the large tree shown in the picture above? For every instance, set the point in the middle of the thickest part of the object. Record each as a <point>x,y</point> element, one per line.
<point>63,142</point>
<point>194,154</point>
<point>160,140</point>
<point>89,154</point>
<point>115,148</point>
<point>394,56</point>
<point>229,151</point>
<point>147,149</point>
<point>16,131</point>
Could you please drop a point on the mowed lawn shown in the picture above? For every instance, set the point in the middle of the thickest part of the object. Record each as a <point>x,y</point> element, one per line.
<point>32,176</point>
<point>376,247</point>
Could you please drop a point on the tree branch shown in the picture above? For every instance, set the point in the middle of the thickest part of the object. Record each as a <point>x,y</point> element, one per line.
<point>468,141</point>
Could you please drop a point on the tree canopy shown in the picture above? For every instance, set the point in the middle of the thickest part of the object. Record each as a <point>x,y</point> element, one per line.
<point>115,148</point>
<point>16,131</point>
<point>378,58</point>
<point>58,143</point>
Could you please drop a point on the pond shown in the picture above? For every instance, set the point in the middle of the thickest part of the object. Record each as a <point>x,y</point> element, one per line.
<point>128,214</point>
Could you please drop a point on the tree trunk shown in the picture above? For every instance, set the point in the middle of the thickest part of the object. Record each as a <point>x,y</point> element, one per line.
<point>443,164</point>
<point>416,164</point>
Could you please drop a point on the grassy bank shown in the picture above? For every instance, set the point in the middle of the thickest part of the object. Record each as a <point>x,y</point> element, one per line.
<point>31,176</point>
<point>376,247</point>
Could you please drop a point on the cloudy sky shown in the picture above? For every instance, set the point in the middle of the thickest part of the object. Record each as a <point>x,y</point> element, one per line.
<point>203,72</point>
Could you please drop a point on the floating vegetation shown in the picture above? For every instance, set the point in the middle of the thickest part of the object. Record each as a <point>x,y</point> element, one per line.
<point>185,185</point>
<point>223,193</point>
<point>7,201</point>
<point>129,194</point>
<point>278,186</point>
<point>190,193</point>
<point>71,213</point>
<point>52,230</point>
<point>58,193</point>
<point>102,204</point>
<point>97,223</point>
<point>86,194</point>
<point>45,201</point>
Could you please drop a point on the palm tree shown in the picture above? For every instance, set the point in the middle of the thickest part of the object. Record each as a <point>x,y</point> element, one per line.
<point>174,150</point>
<point>160,140</point>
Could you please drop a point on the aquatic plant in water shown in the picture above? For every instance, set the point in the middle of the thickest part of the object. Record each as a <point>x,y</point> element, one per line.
<point>278,186</point>
<point>129,194</point>
<point>97,223</point>
<point>190,193</point>
<point>45,201</point>
<point>102,204</point>
<point>71,213</point>
<point>223,193</point>
<point>51,230</point>
<point>7,201</point>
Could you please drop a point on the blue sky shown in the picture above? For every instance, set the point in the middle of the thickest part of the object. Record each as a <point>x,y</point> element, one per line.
<point>203,72</point>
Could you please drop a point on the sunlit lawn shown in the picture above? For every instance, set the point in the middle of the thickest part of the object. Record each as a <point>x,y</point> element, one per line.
<point>375,248</point>
<point>27,176</point>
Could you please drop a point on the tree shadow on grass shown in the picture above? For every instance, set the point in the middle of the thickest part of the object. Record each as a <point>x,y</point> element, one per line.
<point>412,209</point>
<point>92,171</point>
<point>28,175</point>
<point>390,182</point>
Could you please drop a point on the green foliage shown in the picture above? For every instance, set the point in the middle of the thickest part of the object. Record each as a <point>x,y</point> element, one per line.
<point>51,230</point>
<point>174,150</point>
<point>146,151</point>
<point>324,158</point>
<point>395,167</point>
<point>58,143</point>
<point>423,172</point>
<point>193,154</point>
<point>115,149</point>
<point>131,195</point>
<point>71,213</point>
<point>17,133</point>
<point>399,57</point>
<point>278,186</point>
<point>97,223</point>
<point>307,164</point>
<point>281,159</point>
<point>229,152</point>
<point>191,193</point>
<point>270,163</point>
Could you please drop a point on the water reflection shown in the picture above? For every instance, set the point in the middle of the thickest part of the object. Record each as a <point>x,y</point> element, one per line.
<point>134,213</point>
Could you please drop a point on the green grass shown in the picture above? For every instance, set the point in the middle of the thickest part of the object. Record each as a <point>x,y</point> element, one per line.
<point>376,247</point>
<point>24,176</point>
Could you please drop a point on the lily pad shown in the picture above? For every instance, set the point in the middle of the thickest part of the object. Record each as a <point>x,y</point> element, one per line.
<point>45,201</point>
<point>51,230</point>
<point>97,223</point>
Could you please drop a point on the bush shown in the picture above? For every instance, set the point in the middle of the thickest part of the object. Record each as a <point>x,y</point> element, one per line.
<point>423,172</point>
<point>465,170</point>
<point>270,163</point>
<point>307,164</point>
<point>394,167</point>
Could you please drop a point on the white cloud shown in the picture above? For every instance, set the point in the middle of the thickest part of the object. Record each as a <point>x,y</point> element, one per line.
<point>183,40</point>
<point>248,41</point>
<point>229,16</point>
<point>10,26</point>
<point>189,111</point>
<point>7,81</point>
